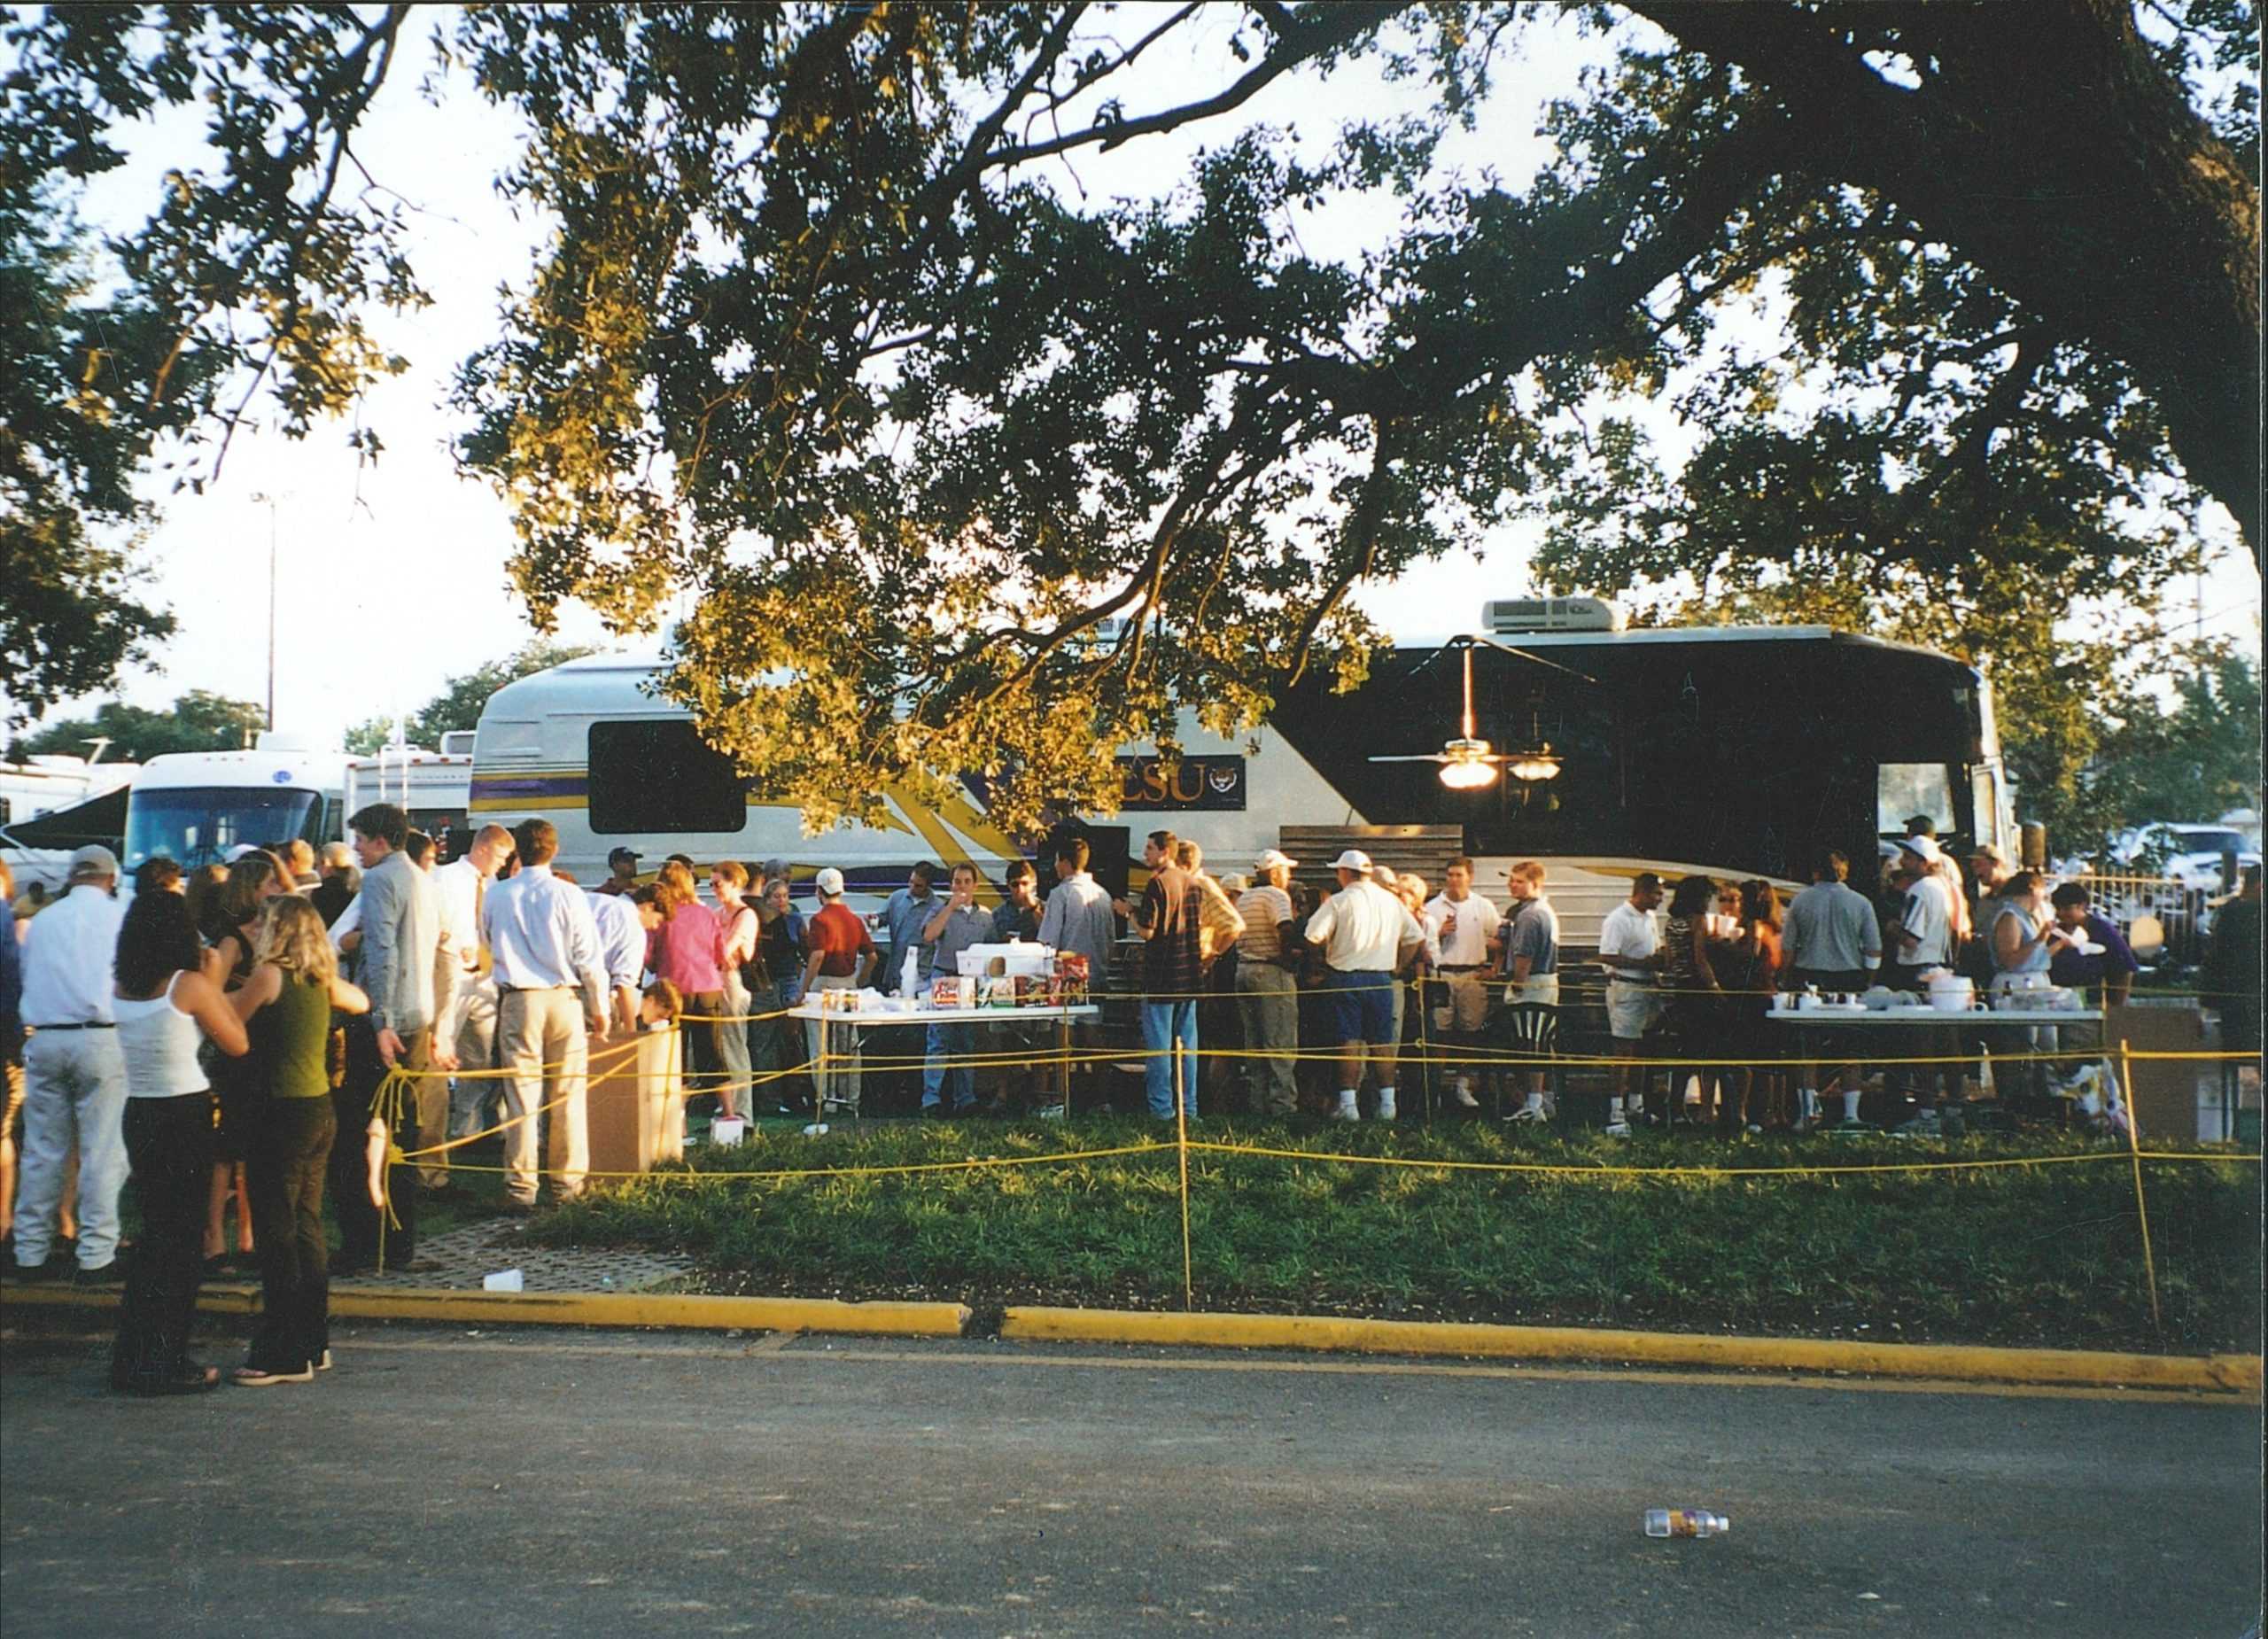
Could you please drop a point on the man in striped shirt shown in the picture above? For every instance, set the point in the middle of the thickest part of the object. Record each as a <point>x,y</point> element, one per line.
<point>1266,994</point>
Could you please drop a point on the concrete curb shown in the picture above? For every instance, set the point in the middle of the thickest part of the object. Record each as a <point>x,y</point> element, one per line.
<point>570,1308</point>
<point>2239,1374</point>
<point>2223,1374</point>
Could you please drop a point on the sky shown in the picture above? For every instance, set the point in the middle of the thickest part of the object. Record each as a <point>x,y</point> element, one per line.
<point>391,576</point>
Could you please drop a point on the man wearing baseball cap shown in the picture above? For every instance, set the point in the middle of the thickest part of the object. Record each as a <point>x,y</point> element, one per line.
<point>74,1077</point>
<point>1267,996</point>
<point>1923,942</point>
<point>1366,933</point>
<point>841,958</point>
<point>622,864</point>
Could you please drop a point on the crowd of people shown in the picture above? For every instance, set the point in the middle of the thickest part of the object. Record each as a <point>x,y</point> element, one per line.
<point>227,1035</point>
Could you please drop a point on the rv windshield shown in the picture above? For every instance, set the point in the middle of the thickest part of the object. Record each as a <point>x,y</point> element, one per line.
<point>197,825</point>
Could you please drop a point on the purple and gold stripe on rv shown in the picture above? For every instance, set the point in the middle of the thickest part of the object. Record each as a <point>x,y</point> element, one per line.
<point>524,790</point>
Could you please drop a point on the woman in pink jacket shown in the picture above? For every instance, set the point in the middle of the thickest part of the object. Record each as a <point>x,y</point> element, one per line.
<point>688,951</point>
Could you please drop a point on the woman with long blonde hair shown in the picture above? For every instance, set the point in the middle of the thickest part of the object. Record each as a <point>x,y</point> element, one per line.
<point>287,1002</point>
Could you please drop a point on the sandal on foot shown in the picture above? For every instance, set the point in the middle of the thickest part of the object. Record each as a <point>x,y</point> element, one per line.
<point>257,1377</point>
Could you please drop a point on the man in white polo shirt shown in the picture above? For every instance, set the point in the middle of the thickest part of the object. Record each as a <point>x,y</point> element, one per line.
<point>1366,933</point>
<point>1630,949</point>
<point>1460,927</point>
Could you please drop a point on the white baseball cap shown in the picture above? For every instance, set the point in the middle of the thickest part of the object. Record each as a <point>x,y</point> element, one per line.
<point>828,882</point>
<point>1274,856</point>
<point>1353,859</point>
<point>1921,848</point>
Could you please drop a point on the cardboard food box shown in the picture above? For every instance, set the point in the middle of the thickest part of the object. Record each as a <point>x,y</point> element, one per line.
<point>997,992</point>
<point>1015,957</point>
<point>947,991</point>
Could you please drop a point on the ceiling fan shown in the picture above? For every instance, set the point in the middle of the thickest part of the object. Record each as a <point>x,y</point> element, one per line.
<point>1468,762</point>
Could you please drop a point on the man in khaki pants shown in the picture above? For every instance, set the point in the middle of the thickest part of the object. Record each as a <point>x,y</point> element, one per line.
<point>552,993</point>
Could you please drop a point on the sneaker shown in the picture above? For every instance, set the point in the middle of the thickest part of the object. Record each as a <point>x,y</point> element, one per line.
<point>1385,1109</point>
<point>1050,1112</point>
<point>1922,1126</point>
<point>1526,1114</point>
<point>1618,1129</point>
<point>1754,1128</point>
<point>110,1274</point>
<point>1853,1128</point>
<point>1345,1111</point>
<point>1463,1097</point>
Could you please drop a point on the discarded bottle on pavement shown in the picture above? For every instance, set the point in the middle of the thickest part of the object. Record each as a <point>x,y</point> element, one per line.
<point>1685,1522</point>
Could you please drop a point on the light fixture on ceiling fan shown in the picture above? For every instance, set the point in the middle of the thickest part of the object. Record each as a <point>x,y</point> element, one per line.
<point>1467,762</point>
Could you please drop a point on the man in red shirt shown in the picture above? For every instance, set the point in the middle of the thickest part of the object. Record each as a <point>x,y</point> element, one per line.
<point>841,957</point>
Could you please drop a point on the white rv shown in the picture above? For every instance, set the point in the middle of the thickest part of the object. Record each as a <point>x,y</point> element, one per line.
<point>588,746</point>
<point>49,805</point>
<point>432,788</point>
<point>192,807</point>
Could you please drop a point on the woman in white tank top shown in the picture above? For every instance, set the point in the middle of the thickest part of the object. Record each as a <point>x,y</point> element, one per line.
<point>165,1008</point>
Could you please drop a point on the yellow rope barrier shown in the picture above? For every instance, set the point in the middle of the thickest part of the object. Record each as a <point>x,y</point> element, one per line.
<point>974,1163</point>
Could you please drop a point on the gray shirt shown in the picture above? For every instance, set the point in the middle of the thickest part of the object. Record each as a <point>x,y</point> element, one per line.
<point>1832,928</point>
<point>1079,919</point>
<point>402,941</point>
<point>1536,935</point>
<point>972,925</point>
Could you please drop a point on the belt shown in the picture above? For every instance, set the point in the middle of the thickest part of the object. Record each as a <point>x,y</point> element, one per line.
<point>531,990</point>
<point>84,1024</point>
<point>1463,966</point>
<point>1632,978</point>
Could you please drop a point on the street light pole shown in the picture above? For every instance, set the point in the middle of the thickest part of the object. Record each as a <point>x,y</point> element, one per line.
<point>271,500</point>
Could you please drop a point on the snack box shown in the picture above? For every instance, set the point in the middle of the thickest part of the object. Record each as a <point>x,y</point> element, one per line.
<point>996,992</point>
<point>948,990</point>
<point>1015,957</point>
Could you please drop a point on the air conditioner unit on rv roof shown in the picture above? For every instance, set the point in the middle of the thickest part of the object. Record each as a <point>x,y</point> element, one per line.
<point>1509,617</point>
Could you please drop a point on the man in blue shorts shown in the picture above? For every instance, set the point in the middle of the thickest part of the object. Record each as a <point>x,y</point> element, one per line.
<point>1366,933</point>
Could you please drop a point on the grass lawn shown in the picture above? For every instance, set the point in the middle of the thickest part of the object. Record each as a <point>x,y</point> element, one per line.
<point>2036,1256</point>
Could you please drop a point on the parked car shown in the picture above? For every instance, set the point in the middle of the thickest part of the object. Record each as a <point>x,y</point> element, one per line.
<point>2191,854</point>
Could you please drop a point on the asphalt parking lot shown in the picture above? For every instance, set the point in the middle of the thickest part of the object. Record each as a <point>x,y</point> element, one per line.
<point>446,1482</point>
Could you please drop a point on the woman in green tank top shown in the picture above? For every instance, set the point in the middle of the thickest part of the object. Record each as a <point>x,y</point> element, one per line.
<point>292,991</point>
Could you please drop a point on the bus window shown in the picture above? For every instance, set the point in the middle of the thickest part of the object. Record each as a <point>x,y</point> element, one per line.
<point>1903,790</point>
<point>657,776</point>
<point>1987,819</point>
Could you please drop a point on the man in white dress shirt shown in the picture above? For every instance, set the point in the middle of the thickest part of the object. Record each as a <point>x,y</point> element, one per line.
<point>467,1032</point>
<point>74,1079</point>
<point>552,988</point>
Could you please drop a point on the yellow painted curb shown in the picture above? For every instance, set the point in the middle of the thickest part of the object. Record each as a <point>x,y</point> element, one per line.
<point>2225,1373</point>
<point>641,1309</point>
<point>2229,1374</point>
<point>568,1309</point>
<point>212,1298</point>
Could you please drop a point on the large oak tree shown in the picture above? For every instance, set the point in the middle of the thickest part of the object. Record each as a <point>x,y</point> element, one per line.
<point>972,471</point>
